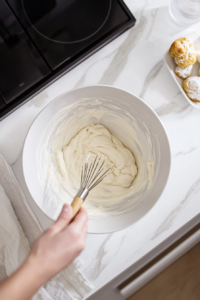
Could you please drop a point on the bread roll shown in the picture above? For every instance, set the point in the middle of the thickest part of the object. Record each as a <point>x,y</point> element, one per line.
<point>183,72</point>
<point>183,52</point>
<point>191,86</point>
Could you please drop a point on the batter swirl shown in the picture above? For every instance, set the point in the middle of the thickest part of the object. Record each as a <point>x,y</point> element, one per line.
<point>95,139</point>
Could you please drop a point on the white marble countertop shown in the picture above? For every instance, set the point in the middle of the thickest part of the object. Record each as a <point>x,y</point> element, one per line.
<point>133,61</point>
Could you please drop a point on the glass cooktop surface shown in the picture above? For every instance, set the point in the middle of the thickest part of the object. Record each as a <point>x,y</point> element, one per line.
<point>69,21</point>
<point>40,40</point>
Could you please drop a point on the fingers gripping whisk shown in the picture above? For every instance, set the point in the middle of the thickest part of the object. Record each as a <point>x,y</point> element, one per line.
<point>92,174</point>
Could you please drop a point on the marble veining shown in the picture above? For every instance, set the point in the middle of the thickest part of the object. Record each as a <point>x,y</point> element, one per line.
<point>95,269</point>
<point>121,57</point>
<point>172,107</point>
<point>150,77</point>
<point>39,100</point>
<point>134,62</point>
<point>82,78</point>
<point>153,13</point>
<point>167,223</point>
<point>185,152</point>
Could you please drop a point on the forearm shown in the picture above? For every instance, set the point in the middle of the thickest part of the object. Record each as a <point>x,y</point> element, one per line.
<point>53,251</point>
<point>23,283</point>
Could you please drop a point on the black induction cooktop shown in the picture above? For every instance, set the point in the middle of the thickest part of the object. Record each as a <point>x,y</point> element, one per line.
<point>42,39</point>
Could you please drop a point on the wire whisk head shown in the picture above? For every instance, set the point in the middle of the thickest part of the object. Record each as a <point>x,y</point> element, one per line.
<point>93,172</point>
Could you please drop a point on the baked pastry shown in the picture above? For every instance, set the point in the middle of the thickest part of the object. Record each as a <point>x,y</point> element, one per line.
<point>191,86</point>
<point>183,52</point>
<point>183,72</point>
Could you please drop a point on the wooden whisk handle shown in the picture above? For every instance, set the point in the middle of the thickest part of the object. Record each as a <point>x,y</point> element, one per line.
<point>76,205</point>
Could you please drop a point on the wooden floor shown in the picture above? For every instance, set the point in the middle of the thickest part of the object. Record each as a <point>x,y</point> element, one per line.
<point>180,281</point>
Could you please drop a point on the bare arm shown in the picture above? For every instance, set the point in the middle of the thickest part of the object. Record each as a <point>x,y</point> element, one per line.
<point>54,250</point>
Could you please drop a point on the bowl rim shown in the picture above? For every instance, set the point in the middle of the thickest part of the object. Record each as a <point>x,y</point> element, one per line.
<point>97,86</point>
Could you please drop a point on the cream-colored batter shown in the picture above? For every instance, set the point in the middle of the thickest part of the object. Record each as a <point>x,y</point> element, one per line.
<point>98,126</point>
<point>95,139</point>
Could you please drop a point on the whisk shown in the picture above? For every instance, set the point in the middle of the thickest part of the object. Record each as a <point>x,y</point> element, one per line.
<point>92,174</point>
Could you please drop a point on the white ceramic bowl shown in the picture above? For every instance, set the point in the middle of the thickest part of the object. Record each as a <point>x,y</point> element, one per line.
<point>131,104</point>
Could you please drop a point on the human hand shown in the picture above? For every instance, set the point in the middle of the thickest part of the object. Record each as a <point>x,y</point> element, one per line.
<point>60,244</point>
